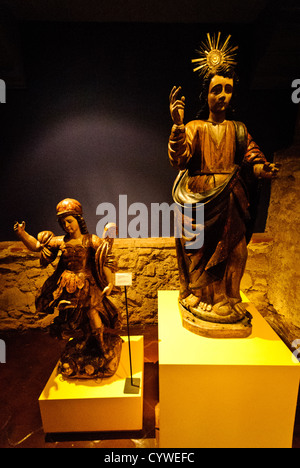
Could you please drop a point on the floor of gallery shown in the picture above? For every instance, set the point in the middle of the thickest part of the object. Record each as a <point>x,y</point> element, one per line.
<point>30,358</point>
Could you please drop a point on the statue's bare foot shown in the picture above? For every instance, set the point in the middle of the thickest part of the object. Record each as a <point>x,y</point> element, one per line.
<point>191,301</point>
<point>221,312</point>
<point>222,308</point>
<point>203,307</point>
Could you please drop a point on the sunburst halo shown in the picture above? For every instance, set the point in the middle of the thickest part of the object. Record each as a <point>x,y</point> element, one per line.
<point>214,56</point>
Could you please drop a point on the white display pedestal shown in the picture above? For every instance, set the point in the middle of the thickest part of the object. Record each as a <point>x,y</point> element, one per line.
<point>239,392</point>
<point>88,405</point>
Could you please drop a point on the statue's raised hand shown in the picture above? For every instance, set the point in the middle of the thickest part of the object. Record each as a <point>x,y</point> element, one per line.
<point>19,228</point>
<point>177,104</point>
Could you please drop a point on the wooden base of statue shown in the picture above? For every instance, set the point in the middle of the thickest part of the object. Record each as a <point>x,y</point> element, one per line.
<point>83,358</point>
<point>191,322</point>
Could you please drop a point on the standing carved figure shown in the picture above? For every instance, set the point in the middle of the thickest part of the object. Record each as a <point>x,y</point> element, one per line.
<point>78,289</point>
<point>219,164</point>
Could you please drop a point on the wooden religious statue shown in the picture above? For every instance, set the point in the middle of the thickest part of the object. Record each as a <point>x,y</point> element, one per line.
<point>79,290</point>
<point>219,165</point>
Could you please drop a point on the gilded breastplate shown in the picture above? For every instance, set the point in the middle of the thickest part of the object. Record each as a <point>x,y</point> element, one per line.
<point>75,258</point>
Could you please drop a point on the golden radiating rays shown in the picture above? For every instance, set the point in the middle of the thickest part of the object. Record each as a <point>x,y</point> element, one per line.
<point>214,56</point>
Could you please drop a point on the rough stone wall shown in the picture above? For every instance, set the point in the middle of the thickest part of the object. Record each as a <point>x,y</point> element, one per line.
<point>152,262</point>
<point>20,279</point>
<point>154,267</point>
<point>283,224</point>
<point>255,281</point>
<point>276,291</point>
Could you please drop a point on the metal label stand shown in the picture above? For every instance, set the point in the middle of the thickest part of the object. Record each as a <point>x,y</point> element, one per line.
<point>132,385</point>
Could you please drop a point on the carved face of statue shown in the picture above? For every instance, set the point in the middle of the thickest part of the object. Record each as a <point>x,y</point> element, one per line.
<point>219,94</point>
<point>70,225</point>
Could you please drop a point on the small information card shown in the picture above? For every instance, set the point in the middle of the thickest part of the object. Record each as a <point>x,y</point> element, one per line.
<point>123,279</point>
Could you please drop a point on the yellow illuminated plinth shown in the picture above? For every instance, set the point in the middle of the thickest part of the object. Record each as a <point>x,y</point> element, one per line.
<point>231,392</point>
<point>96,405</point>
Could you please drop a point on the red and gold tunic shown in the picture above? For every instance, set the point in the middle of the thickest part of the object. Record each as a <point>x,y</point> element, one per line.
<point>78,279</point>
<point>215,161</point>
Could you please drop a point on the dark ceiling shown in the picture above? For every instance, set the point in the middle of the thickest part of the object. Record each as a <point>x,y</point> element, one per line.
<point>85,76</point>
<point>195,11</point>
<point>276,26</point>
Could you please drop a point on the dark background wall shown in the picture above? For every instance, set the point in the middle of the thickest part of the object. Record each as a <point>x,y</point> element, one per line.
<point>91,121</point>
